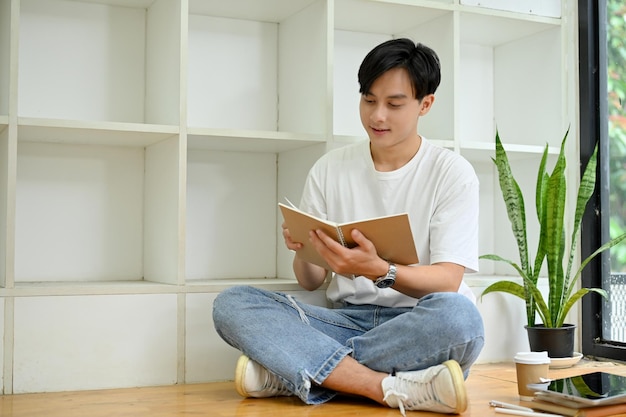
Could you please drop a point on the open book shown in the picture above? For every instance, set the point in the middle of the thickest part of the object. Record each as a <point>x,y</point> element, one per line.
<point>391,235</point>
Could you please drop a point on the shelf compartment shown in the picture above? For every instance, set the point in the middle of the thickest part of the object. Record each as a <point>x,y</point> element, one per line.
<point>274,83</point>
<point>233,222</point>
<point>375,23</point>
<point>505,64</point>
<point>79,213</point>
<point>231,211</point>
<point>91,339</point>
<point>96,212</point>
<point>103,61</point>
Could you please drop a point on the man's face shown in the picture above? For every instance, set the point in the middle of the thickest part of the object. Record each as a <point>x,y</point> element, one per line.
<point>390,111</point>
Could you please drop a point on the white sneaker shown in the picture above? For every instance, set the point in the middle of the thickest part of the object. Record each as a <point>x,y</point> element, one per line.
<point>439,388</point>
<point>253,380</point>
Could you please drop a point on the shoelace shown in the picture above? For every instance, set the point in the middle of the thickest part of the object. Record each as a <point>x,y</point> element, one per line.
<point>400,398</point>
<point>275,385</point>
<point>425,394</point>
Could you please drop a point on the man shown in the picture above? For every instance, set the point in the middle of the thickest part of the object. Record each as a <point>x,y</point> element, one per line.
<point>404,336</point>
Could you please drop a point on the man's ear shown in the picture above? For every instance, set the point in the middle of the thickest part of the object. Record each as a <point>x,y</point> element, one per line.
<point>426,104</point>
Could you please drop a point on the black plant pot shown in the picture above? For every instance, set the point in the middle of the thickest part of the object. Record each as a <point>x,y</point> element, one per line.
<point>557,341</point>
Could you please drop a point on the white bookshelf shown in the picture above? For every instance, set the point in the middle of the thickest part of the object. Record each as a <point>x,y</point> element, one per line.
<point>144,145</point>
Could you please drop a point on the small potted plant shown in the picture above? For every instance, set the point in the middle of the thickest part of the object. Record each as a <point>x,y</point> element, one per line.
<point>552,247</point>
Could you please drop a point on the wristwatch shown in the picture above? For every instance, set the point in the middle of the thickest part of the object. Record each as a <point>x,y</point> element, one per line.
<point>388,280</point>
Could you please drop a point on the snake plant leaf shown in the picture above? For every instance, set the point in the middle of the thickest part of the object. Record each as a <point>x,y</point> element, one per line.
<point>498,258</point>
<point>585,191</point>
<point>538,302</point>
<point>601,249</point>
<point>555,195</point>
<point>521,291</point>
<point>542,184</point>
<point>509,287</point>
<point>513,200</point>
<point>573,299</point>
<point>524,294</point>
<point>606,246</point>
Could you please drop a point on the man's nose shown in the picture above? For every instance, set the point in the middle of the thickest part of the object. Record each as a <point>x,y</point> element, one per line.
<point>379,113</point>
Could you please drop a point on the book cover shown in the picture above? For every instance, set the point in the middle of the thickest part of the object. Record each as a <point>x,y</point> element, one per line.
<point>390,234</point>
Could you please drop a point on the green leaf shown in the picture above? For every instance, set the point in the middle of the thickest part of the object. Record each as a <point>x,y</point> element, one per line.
<point>555,194</point>
<point>508,287</point>
<point>526,295</point>
<point>540,305</point>
<point>513,200</point>
<point>542,183</point>
<point>607,245</point>
<point>498,258</point>
<point>573,300</point>
<point>585,191</point>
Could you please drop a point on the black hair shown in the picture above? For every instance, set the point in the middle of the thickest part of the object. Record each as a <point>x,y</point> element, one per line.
<point>421,62</point>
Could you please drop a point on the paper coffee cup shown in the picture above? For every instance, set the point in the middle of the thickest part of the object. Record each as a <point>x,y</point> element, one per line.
<point>531,368</point>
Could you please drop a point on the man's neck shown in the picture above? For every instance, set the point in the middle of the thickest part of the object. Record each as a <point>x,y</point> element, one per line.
<point>395,157</point>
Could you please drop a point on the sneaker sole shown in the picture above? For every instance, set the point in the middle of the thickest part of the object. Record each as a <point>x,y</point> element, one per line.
<point>240,375</point>
<point>459,385</point>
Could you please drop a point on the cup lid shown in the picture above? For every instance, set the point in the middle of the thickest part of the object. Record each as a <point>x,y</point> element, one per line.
<point>532,357</point>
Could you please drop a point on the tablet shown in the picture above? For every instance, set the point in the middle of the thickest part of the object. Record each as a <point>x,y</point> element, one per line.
<point>594,389</point>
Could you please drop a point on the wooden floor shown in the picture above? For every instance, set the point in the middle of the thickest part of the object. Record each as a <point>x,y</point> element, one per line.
<point>486,382</point>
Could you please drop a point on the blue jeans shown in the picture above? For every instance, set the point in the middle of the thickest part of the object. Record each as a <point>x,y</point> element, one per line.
<point>303,343</point>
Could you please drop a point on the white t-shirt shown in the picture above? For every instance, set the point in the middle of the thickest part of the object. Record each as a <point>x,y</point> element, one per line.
<point>437,188</point>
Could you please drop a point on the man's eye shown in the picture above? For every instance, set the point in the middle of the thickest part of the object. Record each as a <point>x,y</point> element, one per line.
<point>394,105</point>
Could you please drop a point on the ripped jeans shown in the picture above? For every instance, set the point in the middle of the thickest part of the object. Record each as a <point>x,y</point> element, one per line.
<point>302,343</point>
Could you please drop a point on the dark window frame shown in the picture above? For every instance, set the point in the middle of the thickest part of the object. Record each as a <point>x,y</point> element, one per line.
<point>592,38</point>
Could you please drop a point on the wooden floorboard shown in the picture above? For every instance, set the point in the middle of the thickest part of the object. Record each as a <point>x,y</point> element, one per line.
<point>486,382</point>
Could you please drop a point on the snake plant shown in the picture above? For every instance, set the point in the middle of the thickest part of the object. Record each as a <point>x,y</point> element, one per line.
<point>551,247</point>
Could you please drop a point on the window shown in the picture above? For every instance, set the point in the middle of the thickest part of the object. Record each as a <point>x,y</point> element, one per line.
<point>602,30</point>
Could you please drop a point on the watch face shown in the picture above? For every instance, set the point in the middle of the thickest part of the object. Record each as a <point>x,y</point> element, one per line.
<point>385,283</point>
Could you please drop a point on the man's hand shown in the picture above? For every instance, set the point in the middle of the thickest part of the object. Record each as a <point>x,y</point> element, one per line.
<point>360,260</point>
<point>291,245</point>
<point>309,276</point>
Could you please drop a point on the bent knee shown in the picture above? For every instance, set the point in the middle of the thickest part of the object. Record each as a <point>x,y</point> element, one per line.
<point>227,301</point>
<point>460,314</point>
